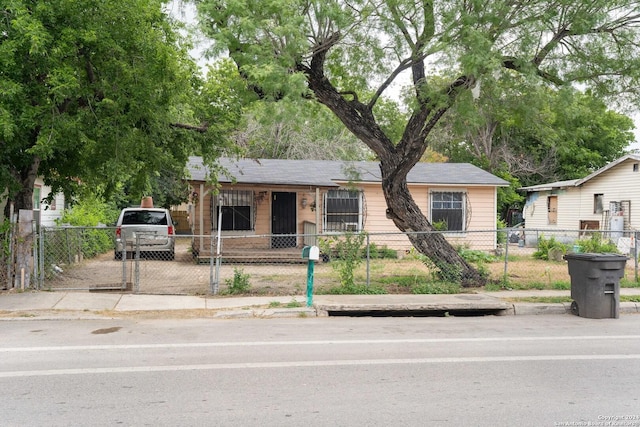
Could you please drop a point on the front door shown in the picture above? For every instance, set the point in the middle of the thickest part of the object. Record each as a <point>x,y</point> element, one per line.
<point>283,219</point>
<point>552,207</point>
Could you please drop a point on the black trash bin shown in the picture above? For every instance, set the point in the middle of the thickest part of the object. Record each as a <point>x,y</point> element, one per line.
<point>595,284</point>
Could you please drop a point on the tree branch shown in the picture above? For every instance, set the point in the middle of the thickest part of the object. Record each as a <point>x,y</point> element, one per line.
<point>202,128</point>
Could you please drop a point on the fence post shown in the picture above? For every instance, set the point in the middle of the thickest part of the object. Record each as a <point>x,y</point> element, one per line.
<point>123,257</point>
<point>40,276</point>
<point>137,265</point>
<point>506,261</point>
<point>213,278</point>
<point>368,262</point>
<point>635,254</point>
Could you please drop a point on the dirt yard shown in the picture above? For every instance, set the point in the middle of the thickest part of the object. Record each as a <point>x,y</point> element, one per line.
<point>185,276</point>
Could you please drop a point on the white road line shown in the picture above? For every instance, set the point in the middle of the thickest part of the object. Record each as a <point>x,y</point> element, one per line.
<point>319,363</point>
<point>312,342</point>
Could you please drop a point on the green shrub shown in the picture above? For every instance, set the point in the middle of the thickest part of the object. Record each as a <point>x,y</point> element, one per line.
<point>240,283</point>
<point>356,290</point>
<point>441,225</point>
<point>383,252</point>
<point>501,236</point>
<point>88,242</point>
<point>436,288</point>
<point>347,251</point>
<point>90,211</point>
<point>595,244</point>
<point>545,245</point>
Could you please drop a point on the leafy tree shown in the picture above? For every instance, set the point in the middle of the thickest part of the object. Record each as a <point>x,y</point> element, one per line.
<point>94,93</point>
<point>336,51</point>
<point>292,129</point>
<point>555,135</point>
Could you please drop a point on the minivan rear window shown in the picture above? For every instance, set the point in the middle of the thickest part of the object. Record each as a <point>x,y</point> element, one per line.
<point>144,217</point>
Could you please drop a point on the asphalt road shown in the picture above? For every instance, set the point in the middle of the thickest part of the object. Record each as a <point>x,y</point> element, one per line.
<point>489,371</point>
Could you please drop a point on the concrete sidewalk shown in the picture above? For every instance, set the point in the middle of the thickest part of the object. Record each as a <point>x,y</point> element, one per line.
<point>106,304</point>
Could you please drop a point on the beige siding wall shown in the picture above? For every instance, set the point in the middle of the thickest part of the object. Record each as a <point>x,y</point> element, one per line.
<point>576,204</point>
<point>536,213</point>
<point>482,215</point>
<point>617,184</point>
<point>481,212</point>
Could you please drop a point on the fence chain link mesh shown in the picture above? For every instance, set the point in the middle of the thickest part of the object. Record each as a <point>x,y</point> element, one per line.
<point>83,258</point>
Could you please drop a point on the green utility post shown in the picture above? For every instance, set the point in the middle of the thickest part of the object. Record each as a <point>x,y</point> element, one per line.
<point>312,253</point>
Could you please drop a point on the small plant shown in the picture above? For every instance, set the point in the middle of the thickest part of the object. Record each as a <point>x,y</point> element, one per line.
<point>595,244</point>
<point>293,304</point>
<point>348,253</point>
<point>382,252</point>
<point>441,225</point>
<point>356,290</point>
<point>436,288</point>
<point>546,245</point>
<point>501,235</point>
<point>240,282</point>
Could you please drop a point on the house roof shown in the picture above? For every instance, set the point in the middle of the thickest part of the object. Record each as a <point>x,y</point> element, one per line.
<point>551,185</point>
<point>330,173</point>
<point>634,157</point>
<point>579,182</point>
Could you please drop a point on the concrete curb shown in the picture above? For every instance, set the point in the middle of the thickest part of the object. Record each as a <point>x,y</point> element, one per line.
<point>82,305</point>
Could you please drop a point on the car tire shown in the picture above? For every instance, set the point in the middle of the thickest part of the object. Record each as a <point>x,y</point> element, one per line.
<point>117,256</point>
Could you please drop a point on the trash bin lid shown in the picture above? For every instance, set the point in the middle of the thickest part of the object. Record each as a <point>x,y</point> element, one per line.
<point>603,257</point>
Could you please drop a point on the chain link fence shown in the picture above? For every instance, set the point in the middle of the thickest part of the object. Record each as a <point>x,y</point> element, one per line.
<point>83,258</point>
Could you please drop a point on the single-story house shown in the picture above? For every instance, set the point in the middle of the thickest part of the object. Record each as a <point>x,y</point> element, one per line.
<point>600,201</point>
<point>299,198</point>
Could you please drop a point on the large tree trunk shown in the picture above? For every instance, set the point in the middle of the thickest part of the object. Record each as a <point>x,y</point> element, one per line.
<point>407,216</point>
<point>21,202</point>
<point>23,198</point>
<point>396,160</point>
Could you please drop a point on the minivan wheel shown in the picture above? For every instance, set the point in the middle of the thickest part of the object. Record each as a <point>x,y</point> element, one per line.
<point>117,255</point>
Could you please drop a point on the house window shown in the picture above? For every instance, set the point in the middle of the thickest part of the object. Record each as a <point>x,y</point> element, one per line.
<point>236,208</point>
<point>448,210</point>
<point>36,198</point>
<point>343,210</point>
<point>552,210</point>
<point>598,200</point>
<point>635,167</point>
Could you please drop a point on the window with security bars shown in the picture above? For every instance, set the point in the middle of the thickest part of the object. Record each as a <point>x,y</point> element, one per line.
<point>236,209</point>
<point>448,208</point>
<point>343,210</point>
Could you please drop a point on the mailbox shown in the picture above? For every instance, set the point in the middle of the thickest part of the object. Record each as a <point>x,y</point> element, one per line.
<point>312,253</point>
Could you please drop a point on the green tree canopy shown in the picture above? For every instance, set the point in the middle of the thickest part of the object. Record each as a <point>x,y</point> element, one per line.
<point>93,93</point>
<point>346,54</point>
<point>296,129</point>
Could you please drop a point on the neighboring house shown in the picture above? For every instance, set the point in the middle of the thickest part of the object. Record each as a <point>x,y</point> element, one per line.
<point>44,213</point>
<point>600,201</point>
<point>307,197</point>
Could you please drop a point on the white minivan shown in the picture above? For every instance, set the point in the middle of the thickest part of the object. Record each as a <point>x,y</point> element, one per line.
<point>151,228</point>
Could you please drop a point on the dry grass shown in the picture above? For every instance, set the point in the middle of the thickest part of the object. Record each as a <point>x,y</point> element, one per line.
<point>183,276</point>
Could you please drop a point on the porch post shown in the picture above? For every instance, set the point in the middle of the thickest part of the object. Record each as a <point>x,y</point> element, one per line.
<point>318,226</point>
<point>201,216</point>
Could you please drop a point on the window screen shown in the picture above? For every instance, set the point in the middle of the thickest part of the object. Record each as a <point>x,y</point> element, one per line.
<point>343,210</point>
<point>237,208</point>
<point>448,208</point>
